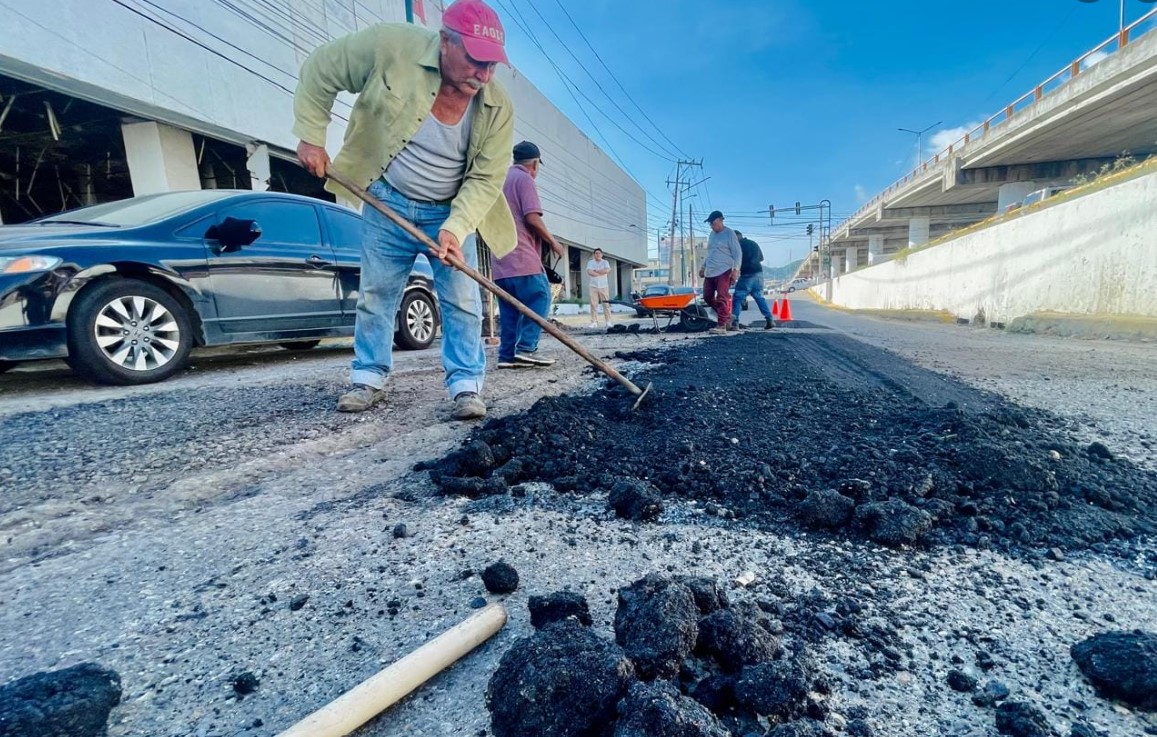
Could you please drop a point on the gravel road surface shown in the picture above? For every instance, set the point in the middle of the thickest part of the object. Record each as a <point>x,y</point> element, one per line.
<point>228,522</point>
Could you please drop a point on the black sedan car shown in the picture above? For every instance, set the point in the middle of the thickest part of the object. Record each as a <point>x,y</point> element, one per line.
<point>123,291</point>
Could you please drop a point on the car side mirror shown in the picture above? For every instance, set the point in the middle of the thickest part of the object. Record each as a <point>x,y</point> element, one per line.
<point>235,233</point>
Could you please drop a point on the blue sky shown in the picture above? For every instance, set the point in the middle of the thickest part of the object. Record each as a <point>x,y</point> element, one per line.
<point>789,100</point>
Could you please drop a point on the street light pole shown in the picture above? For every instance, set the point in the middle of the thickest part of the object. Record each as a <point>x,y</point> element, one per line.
<point>919,138</point>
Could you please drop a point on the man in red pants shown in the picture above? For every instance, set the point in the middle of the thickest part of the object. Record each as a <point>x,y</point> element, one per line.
<point>721,270</point>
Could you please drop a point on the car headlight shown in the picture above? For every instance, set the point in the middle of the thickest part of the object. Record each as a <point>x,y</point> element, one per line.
<point>27,264</point>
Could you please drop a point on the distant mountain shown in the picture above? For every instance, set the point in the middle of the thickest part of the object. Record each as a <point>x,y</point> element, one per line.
<point>779,273</point>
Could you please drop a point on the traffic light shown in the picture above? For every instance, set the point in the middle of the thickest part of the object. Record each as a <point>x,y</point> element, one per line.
<point>810,229</point>
<point>797,208</point>
<point>771,212</point>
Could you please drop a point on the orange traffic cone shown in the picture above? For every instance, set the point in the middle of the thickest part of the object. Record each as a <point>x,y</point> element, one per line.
<point>785,311</point>
<point>775,308</point>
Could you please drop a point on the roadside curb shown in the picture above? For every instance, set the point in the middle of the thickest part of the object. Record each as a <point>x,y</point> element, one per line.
<point>938,316</point>
<point>1094,327</point>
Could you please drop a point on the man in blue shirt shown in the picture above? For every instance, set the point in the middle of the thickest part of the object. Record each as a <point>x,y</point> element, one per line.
<point>751,281</point>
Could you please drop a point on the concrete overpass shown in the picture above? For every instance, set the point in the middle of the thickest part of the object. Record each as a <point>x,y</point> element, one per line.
<point>1081,118</point>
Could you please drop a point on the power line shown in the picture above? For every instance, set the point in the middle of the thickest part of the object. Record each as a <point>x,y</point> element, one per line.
<point>616,79</point>
<point>563,78</point>
<point>1032,55</point>
<point>567,49</point>
<point>210,33</point>
<point>195,42</point>
<point>523,24</point>
<point>126,72</point>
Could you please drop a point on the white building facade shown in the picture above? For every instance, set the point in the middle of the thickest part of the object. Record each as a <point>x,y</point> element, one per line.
<point>121,97</point>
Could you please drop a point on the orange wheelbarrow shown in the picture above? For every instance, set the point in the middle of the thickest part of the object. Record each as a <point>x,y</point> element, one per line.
<point>693,317</point>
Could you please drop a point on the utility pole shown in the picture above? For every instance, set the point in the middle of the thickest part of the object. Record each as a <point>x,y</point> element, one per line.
<point>682,249</point>
<point>691,234</point>
<point>690,278</point>
<point>674,215</point>
<point>675,209</point>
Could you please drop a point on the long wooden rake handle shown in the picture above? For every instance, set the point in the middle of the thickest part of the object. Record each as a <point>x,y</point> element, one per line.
<point>490,286</point>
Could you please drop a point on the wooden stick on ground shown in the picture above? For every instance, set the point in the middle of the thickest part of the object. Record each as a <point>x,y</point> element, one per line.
<point>381,691</point>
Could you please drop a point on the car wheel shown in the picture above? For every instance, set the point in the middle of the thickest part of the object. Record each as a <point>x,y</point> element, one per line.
<point>126,331</point>
<point>417,321</point>
<point>301,345</point>
<point>790,290</point>
<point>6,365</point>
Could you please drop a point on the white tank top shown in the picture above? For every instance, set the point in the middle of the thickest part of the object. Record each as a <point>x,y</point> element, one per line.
<point>432,164</point>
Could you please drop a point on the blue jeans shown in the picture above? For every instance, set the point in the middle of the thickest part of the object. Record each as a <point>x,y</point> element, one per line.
<point>520,334</point>
<point>751,284</point>
<point>388,254</point>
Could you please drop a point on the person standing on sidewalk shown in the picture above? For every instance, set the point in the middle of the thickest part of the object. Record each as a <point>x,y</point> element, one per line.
<point>720,270</point>
<point>600,288</point>
<point>751,281</point>
<point>521,272</point>
<point>430,134</point>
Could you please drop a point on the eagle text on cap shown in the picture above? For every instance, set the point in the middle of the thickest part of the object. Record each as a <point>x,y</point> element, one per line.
<point>481,31</point>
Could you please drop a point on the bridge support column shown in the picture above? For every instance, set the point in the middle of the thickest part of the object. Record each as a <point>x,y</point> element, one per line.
<point>875,249</point>
<point>161,158</point>
<point>851,259</point>
<point>1012,193</point>
<point>918,231</point>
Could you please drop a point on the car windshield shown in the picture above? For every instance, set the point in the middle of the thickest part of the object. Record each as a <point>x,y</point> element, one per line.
<point>653,291</point>
<point>137,210</point>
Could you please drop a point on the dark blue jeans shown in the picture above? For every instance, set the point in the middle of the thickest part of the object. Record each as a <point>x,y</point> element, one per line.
<point>519,334</point>
<point>751,284</point>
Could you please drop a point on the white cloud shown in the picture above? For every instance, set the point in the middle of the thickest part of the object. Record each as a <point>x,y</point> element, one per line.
<point>945,137</point>
<point>861,193</point>
<point>1094,58</point>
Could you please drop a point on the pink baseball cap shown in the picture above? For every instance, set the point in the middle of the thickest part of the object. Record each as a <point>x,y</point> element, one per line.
<point>481,31</point>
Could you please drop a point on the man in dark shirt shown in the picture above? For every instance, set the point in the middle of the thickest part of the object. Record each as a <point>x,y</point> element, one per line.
<point>751,281</point>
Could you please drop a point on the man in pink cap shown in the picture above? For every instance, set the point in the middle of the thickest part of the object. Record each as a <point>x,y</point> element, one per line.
<point>430,135</point>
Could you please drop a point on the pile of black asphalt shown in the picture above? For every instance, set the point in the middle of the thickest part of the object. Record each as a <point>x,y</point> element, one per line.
<point>818,431</point>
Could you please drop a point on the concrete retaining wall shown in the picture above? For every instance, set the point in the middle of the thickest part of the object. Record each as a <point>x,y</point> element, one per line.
<point>1091,255</point>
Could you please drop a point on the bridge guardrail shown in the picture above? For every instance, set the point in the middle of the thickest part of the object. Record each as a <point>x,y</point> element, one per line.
<point>1071,71</point>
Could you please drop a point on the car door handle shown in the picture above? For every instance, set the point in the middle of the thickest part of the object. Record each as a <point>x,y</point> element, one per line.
<point>316,260</point>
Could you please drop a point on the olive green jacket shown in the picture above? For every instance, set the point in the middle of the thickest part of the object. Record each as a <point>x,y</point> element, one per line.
<point>394,70</point>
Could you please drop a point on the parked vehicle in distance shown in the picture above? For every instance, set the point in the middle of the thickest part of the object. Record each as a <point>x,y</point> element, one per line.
<point>1042,194</point>
<point>795,284</point>
<point>124,290</point>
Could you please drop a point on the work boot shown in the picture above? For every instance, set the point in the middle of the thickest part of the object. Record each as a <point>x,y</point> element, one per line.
<point>733,328</point>
<point>468,406</point>
<point>770,324</point>
<point>717,331</point>
<point>529,359</point>
<point>360,398</point>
